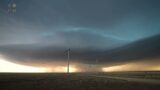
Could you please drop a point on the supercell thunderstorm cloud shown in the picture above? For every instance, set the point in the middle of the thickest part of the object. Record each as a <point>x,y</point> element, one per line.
<point>103,35</point>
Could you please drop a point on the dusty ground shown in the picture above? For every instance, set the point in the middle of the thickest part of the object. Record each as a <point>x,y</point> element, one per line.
<point>68,82</point>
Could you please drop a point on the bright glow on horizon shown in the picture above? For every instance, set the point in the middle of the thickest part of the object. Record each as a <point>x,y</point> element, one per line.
<point>137,66</point>
<point>64,69</point>
<point>113,68</point>
<point>6,66</point>
<point>55,67</point>
<point>10,67</point>
<point>124,67</point>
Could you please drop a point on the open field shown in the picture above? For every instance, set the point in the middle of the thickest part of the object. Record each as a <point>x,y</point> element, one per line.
<point>135,74</point>
<point>74,81</point>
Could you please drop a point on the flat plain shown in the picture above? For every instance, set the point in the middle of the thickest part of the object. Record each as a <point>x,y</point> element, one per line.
<point>77,81</point>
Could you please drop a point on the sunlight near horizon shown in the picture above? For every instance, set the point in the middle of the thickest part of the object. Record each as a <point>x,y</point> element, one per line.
<point>64,69</point>
<point>10,67</point>
<point>132,67</point>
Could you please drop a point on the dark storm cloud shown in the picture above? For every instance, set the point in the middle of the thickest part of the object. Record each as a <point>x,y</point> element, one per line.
<point>126,19</point>
<point>139,50</point>
<point>85,13</point>
<point>44,29</point>
<point>148,48</point>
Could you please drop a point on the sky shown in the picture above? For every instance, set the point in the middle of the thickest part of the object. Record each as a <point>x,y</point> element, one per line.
<point>97,31</point>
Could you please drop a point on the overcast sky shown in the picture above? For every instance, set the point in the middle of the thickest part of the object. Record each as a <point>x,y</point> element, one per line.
<point>44,29</point>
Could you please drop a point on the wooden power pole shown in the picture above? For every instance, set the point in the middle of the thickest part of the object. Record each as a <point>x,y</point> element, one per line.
<point>68,57</point>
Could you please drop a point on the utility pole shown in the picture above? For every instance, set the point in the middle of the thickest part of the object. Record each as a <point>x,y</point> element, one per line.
<point>68,57</point>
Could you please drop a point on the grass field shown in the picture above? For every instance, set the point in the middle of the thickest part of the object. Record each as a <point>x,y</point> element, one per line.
<point>62,81</point>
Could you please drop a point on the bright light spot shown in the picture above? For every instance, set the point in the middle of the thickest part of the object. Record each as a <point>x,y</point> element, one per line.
<point>6,66</point>
<point>64,69</point>
<point>71,69</point>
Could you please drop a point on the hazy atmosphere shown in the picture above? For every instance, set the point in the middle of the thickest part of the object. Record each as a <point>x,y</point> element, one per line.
<point>108,35</point>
